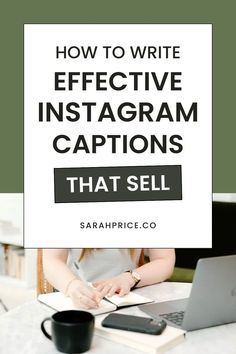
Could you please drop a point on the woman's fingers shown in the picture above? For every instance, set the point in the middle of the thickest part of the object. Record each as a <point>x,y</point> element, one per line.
<point>99,286</point>
<point>84,301</point>
<point>88,302</point>
<point>92,294</point>
<point>119,284</point>
<point>113,289</point>
<point>86,297</point>
<point>102,287</point>
<point>124,291</point>
<point>106,288</point>
<point>104,291</point>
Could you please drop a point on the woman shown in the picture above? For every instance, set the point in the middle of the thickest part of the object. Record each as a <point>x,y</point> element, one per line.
<point>109,270</point>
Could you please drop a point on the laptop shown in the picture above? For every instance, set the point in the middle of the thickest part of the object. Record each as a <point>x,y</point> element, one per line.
<point>212,300</point>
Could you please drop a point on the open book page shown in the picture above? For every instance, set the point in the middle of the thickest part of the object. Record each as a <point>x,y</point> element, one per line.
<point>128,300</point>
<point>60,302</point>
<point>152,344</point>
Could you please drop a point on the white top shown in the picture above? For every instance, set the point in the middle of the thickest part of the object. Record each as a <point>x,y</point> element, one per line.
<point>102,263</point>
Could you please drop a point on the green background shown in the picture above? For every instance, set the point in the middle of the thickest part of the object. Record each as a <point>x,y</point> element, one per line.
<point>220,13</point>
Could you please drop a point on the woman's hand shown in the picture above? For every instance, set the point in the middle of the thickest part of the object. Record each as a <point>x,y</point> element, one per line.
<point>120,284</point>
<point>83,295</point>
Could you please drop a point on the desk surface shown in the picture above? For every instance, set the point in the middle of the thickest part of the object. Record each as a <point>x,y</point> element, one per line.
<point>20,329</point>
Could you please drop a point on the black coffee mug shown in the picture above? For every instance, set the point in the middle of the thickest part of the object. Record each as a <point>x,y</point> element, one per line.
<point>72,331</point>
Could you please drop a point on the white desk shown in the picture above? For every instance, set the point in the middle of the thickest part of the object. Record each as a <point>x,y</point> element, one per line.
<point>20,329</point>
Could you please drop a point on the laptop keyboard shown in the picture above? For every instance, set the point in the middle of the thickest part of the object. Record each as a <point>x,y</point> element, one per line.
<point>175,317</point>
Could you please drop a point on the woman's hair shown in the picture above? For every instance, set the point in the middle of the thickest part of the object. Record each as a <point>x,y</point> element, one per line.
<point>86,251</point>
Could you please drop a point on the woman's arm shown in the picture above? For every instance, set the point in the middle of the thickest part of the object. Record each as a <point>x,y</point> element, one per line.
<point>55,268</point>
<point>62,278</point>
<point>159,268</point>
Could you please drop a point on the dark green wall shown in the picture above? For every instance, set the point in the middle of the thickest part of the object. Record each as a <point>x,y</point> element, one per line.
<point>15,13</point>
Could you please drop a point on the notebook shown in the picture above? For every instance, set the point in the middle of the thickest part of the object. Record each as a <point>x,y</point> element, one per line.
<point>147,343</point>
<point>60,302</point>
